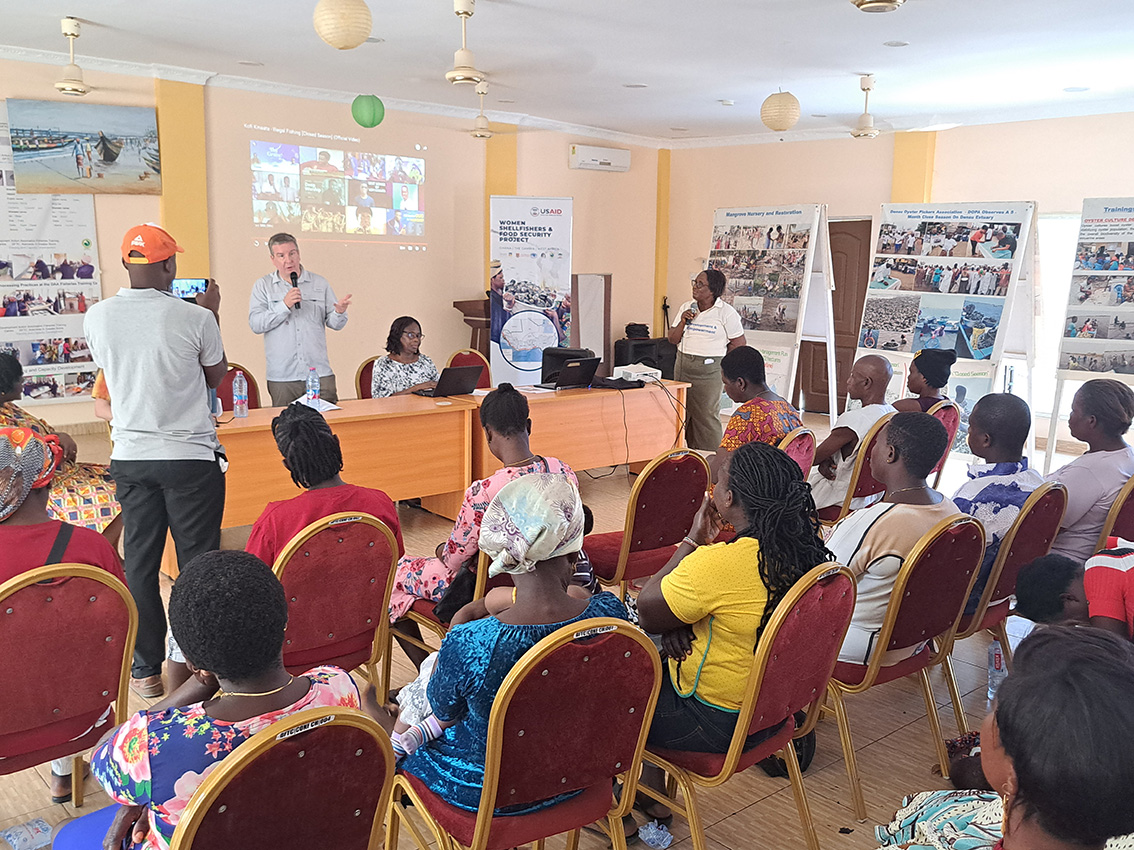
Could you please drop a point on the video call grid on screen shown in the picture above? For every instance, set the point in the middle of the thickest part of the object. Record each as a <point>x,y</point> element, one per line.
<point>318,190</point>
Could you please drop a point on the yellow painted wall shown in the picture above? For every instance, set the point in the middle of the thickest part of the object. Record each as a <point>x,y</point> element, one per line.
<point>184,204</point>
<point>914,154</point>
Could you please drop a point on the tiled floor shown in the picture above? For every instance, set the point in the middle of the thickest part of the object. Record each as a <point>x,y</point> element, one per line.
<point>889,727</point>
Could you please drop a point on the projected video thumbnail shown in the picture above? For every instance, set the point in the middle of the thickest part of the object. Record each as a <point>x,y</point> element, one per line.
<point>323,190</point>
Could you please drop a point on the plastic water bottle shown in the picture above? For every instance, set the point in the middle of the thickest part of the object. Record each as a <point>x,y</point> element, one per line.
<point>654,834</point>
<point>239,395</point>
<point>997,672</point>
<point>313,387</point>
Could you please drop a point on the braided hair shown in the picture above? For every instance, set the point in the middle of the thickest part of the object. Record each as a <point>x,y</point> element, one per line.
<point>309,447</point>
<point>505,411</point>
<point>780,514</point>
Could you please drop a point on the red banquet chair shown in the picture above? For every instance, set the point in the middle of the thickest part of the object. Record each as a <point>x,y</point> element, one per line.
<point>364,375</point>
<point>1120,519</point>
<point>77,633</point>
<point>224,391</point>
<point>1029,537</point>
<point>472,357</point>
<point>862,484</point>
<point>561,683</point>
<point>799,445</point>
<point>925,606</point>
<point>338,574</point>
<point>790,672</point>
<point>948,414</point>
<point>663,502</point>
<point>422,612</point>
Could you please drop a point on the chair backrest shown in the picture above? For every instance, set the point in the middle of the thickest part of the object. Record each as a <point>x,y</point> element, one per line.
<point>1120,519</point>
<point>364,375</point>
<point>796,654</point>
<point>563,683</point>
<point>318,778</point>
<point>224,391</point>
<point>1029,537</point>
<point>863,483</point>
<point>483,582</point>
<point>338,574</point>
<point>472,357</point>
<point>948,414</point>
<point>77,633</point>
<point>664,500</point>
<point>799,445</point>
<point>932,587</point>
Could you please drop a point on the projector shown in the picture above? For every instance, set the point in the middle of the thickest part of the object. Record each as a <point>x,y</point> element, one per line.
<point>637,372</point>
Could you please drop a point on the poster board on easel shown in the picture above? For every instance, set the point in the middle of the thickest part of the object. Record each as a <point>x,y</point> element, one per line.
<point>960,277</point>
<point>1097,336</point>
<point>778,264</point>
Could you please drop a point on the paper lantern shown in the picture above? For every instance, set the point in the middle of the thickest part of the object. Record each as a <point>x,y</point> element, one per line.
<point>780,111</point>
<point>368,110</point>
<point>343,24</point>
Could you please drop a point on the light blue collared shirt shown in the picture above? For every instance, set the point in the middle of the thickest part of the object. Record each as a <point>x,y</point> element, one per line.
<point>294,340</point>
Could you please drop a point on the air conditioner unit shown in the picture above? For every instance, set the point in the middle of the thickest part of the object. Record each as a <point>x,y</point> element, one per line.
<point>598,159</point>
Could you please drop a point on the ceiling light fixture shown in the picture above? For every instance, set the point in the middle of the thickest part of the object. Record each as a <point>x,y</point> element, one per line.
<point>635,86</point>
<point>1076,89</point>
<point>250,63</point>
<point>464,70</point>
<point>343,24</point>
<point>780,111</point>
<point>877,5</point>
<point>727,102</point>
<point>818,115</point>
<point>865,128</point>
<point>480,128</point>
<point>895,44</point>
<point>71,83</point>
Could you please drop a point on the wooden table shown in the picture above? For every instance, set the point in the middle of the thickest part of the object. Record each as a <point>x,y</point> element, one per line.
<point>585,429</point>
<point>407,446</point>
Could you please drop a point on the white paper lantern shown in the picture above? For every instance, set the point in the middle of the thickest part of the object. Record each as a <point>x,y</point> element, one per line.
<point>343,24</point>
<point>780,111</point>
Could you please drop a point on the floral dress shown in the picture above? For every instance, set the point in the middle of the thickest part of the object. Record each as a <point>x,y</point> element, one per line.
<point>81,494</point>
<point>428,578</point>
<point>760,421</point>
<point>390,376</point>
<point>159,760</point>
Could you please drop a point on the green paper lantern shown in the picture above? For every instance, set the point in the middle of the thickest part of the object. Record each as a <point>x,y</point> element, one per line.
<point>368,110</point>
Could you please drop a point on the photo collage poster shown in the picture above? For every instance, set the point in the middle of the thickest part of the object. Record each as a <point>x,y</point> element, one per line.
<point>49,278</point>
<point>943,276</point>
<point>1098,331</point>
<point>531,303</point>
<point>766,255</point>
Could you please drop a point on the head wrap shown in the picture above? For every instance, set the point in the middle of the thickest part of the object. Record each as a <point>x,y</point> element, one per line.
<point>935,364</point>
<point>534,518</point>
<point>26,462</point>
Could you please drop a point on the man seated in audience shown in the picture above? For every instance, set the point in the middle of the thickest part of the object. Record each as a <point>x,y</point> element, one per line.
<point>1101,413</point>
<point>228,613</point>
<point>875,541</point>
<point>30,538</point>
<point>763,416</point>
<point>312,455</point>
<point>835,456</point>
<point>996,489</point>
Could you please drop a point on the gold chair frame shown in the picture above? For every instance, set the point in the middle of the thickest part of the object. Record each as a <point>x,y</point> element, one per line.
<point>252,382</point>
<point>483,360</point>
<point>1112,515</point>
<point>860,460</point>
<point>941,405</point>
<point>358,374</point>
<point>793,435</point>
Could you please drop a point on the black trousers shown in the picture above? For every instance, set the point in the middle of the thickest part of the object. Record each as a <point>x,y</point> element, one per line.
<point>187,498</point>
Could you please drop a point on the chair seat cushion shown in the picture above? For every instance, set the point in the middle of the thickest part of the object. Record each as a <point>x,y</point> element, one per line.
<point>853,674</point>
<point>829,514</point>
<point>424,608</point>
<point>344,654</point>
<point>588,806</point>
<point>709,765</point>
<point>604,549</point>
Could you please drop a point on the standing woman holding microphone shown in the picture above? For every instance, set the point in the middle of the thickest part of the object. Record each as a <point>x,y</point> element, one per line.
<point>704,330</point>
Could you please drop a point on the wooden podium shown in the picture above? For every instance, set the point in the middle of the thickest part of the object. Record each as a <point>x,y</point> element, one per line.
<point>477,317</point>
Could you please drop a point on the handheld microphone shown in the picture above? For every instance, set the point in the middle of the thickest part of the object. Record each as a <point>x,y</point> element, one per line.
<point>295,283</point>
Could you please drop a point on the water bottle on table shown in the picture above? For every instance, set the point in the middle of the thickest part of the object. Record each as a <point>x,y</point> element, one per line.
<point>313,387</point>
<point>239,395</point>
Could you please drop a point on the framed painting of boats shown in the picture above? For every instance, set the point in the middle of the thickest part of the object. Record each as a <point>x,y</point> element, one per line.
<point>84,148</point>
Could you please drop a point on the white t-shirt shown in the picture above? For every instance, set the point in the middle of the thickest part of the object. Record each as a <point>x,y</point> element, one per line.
<point>1092,482</point>
<point>709,332</point>
<point>827,492</point>
<point>152,347</point>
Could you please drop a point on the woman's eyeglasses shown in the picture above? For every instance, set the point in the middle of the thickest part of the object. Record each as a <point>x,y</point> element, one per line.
<point>413,335</point>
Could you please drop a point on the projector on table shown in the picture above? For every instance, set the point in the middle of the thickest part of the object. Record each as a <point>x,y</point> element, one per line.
<point>637,372</point>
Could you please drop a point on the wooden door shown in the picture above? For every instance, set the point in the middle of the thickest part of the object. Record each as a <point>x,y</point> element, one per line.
<point>850,258</point>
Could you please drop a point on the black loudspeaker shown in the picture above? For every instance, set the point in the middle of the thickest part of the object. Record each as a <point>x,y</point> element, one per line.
<point>554,358</point>
<point>658,354</point>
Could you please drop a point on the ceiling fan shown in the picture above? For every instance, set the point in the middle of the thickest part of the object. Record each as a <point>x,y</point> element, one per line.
<point>865,128</point>
<point>464,70</point>
<point>71,83</point>
<point>480,128</point>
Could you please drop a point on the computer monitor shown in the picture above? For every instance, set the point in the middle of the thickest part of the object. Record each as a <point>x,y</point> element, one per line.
<point>554,358</point>
<point>658,354</point>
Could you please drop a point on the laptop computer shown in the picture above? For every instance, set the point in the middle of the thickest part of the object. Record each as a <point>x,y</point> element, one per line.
<point>454,380</point>
<point>575,373</point>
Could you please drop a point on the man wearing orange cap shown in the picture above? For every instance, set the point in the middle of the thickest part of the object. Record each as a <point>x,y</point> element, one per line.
<point>160,355</point>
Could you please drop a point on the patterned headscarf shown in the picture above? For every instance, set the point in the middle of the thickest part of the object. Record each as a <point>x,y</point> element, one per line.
<point>26,462</point>
<point>534,518</point>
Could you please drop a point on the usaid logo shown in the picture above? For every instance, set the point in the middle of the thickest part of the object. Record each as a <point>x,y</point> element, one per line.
<point>536,212</point>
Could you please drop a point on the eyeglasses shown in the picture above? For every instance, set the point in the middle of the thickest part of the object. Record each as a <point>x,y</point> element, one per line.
<point>413,335</point>
<point>700,284</point>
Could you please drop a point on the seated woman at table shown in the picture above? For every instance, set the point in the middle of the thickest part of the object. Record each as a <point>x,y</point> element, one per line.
<point>504,417</point>
<point>404,369</point>
<point>1057,751</point>
<point>533,530</point>
<point>81,493</point>
<point>312,455</point>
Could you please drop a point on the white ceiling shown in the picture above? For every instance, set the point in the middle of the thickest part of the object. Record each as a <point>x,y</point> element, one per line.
<point>968,61</point>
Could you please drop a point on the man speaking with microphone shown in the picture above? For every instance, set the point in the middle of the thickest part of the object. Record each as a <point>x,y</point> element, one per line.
<point>290,307</point>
